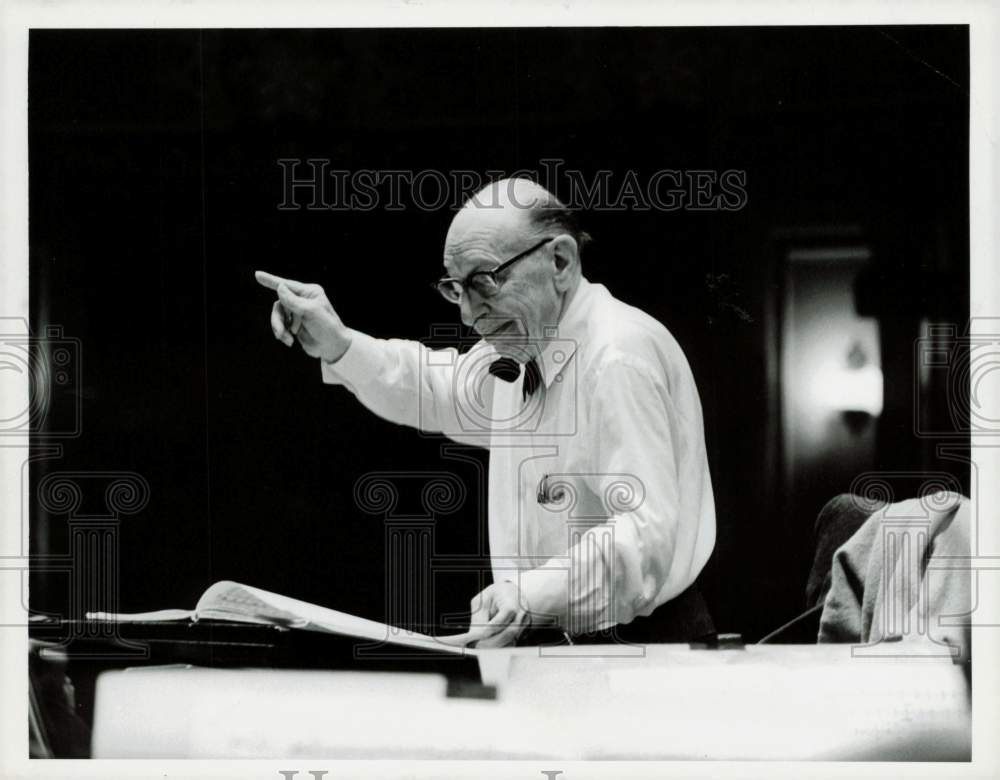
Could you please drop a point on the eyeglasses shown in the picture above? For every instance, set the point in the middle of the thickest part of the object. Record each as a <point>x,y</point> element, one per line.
<point>485,283</point>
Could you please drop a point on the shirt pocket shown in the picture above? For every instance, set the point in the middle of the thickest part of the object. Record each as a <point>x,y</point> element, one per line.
<point>567,507</point>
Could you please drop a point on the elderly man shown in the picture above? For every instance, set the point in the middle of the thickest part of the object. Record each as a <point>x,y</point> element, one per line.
<point>601,513</point>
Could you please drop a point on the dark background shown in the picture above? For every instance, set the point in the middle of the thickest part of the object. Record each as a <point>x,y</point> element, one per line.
<point>153,196</point>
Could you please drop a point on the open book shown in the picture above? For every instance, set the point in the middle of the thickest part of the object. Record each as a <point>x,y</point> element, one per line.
<point>232,601</point>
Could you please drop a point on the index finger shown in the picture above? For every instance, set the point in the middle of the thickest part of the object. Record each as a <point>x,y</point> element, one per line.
<point>271,282</point>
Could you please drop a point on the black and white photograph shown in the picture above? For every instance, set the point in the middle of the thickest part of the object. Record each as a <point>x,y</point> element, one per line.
<point>499,396</point>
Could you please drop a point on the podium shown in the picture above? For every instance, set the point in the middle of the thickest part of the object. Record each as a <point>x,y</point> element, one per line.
<point>223,690</point>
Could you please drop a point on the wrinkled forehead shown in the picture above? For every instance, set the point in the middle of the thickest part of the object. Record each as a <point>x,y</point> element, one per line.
<point>482,237</point>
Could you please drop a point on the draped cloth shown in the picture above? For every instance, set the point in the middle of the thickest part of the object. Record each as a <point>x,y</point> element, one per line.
<point>903,579</point>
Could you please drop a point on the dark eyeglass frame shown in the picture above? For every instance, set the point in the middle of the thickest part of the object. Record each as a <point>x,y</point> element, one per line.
<point>444,285</point>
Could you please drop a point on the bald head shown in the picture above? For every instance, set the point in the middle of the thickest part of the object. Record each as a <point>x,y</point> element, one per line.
<point>520,194</point>
<point>514,220</point>
<point>501,213</point>
<point>513,211</point>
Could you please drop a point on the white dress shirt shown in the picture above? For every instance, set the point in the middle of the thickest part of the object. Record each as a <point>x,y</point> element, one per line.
<point>600,500</point>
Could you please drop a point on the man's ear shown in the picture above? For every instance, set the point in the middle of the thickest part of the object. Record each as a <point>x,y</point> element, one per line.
<point>566,256</point>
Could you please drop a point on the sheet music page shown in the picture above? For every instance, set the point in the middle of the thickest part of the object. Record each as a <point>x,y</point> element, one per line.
<point>231,600</point>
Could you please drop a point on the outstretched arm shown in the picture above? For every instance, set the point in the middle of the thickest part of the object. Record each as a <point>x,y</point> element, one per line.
<point>401,381</point>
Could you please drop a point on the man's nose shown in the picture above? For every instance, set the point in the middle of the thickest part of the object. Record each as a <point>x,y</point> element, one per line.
<point>468,307</point>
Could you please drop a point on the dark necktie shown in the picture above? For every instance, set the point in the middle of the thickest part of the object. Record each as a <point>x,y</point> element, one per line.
<point>508,370</point>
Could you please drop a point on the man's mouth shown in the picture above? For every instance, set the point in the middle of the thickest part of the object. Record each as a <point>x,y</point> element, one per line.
<point>500,330</point>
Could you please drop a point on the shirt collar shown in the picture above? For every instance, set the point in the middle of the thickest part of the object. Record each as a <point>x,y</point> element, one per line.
<point>558,351</point>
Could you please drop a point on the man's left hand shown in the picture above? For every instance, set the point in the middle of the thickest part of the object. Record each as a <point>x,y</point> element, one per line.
<point>500,612</point>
